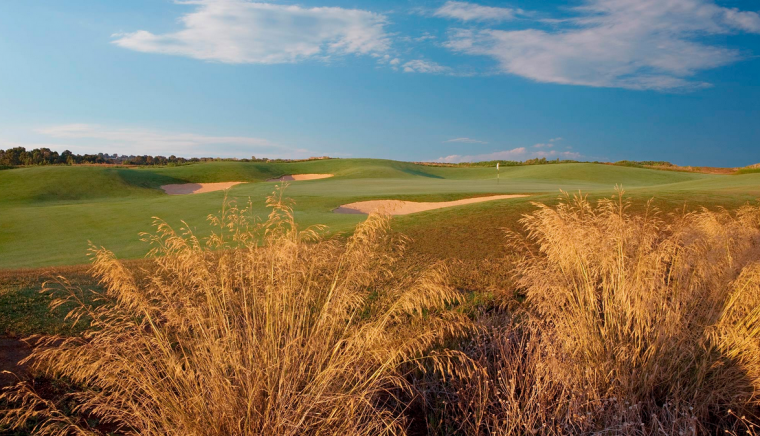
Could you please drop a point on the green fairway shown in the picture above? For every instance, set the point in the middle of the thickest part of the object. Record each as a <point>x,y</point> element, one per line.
<point>48,214</point>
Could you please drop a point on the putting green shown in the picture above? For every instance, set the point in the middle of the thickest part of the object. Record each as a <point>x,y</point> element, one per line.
<point>47,214</point>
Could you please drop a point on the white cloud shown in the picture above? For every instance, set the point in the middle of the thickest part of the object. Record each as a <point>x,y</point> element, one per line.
<point>473,12</point>
<point>634,44</point>
<point>555,139</point>
<point>554,154</point>
<point>516,154</point>
<point>425,37</point>
<point>467,141</point>
<point>91,138</point>
<point>422,66</point>
<point>241,31</point>
<point>548,145</point>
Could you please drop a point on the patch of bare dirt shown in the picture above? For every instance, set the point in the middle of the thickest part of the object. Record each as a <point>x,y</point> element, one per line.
<point>11,352</point>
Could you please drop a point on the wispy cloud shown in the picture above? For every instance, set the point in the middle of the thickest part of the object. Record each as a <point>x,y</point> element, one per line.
<point>423,66</point>
<point>465,11</point>
<point>545,145</point>
<point>241,31</point>
<point>634,44</point>
<point>92,138</point>
<point>387,59</point>
<point>467,141</point>
<point>555,139</point>
<point>516,154</point>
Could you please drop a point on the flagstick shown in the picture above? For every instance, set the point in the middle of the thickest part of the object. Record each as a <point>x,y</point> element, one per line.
<point>497,173</point>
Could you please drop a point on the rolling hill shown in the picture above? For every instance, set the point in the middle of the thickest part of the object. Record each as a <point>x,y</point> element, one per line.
<point>47,214</point>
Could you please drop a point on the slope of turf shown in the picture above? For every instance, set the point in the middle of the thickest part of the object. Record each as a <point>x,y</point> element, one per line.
<point>386,169</point>
<point>47,214</point>
<point>65,184</point>
<point>260,171</point>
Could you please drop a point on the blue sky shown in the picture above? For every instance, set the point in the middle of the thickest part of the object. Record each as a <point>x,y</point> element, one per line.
<point>675,80</point>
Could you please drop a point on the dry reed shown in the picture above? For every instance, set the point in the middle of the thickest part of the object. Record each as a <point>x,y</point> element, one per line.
<point>633,324</point>
<point>656,314</point>
<point>236,336</point>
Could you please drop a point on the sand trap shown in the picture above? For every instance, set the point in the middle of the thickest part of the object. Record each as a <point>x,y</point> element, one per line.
<point>296,177</point>
<point>197,188</point>
<point>399,207</point>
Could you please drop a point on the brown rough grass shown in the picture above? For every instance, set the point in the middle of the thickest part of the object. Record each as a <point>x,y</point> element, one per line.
<point>231,337</point>
<point>631,326</point>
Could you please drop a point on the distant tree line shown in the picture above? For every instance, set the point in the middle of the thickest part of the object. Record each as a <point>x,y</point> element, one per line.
<point>19,156</point>
<point>643,163</point>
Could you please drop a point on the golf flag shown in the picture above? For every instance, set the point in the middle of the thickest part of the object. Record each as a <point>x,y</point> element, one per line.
<point>497,166</point>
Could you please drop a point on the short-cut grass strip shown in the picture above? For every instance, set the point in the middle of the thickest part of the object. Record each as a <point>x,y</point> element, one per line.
<point>297,177</point>
<point>399,207</point>
<point>196,188</point>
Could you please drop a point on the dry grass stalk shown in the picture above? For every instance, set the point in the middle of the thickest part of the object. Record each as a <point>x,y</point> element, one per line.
<point>663,318</point>
<point>234,337</point>
<point>633,325</point>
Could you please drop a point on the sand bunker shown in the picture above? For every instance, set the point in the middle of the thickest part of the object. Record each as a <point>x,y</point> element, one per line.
<point>296,177</point>
<point>399,207</point>
<point>197,188</point>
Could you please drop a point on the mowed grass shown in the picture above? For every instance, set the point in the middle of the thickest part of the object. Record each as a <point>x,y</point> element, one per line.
<point>48,214</point>
<point>25,306</point>
<point>477,232</point>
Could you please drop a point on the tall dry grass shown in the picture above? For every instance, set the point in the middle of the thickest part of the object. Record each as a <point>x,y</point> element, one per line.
<point>610,322</point>
<point>234,337</point>
<point>633,324</point>
<point>656,314</point>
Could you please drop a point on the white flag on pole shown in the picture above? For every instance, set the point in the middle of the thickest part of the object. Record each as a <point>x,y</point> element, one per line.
<point>497,166</point>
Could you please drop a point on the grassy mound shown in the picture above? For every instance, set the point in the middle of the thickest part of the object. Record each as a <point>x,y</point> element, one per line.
<point>64,184</point>
<point>61,184</point>
<point>48,213</point>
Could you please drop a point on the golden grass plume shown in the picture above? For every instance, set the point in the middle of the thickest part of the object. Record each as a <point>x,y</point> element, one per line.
<point>261,329</point>
<point>633,324</point>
